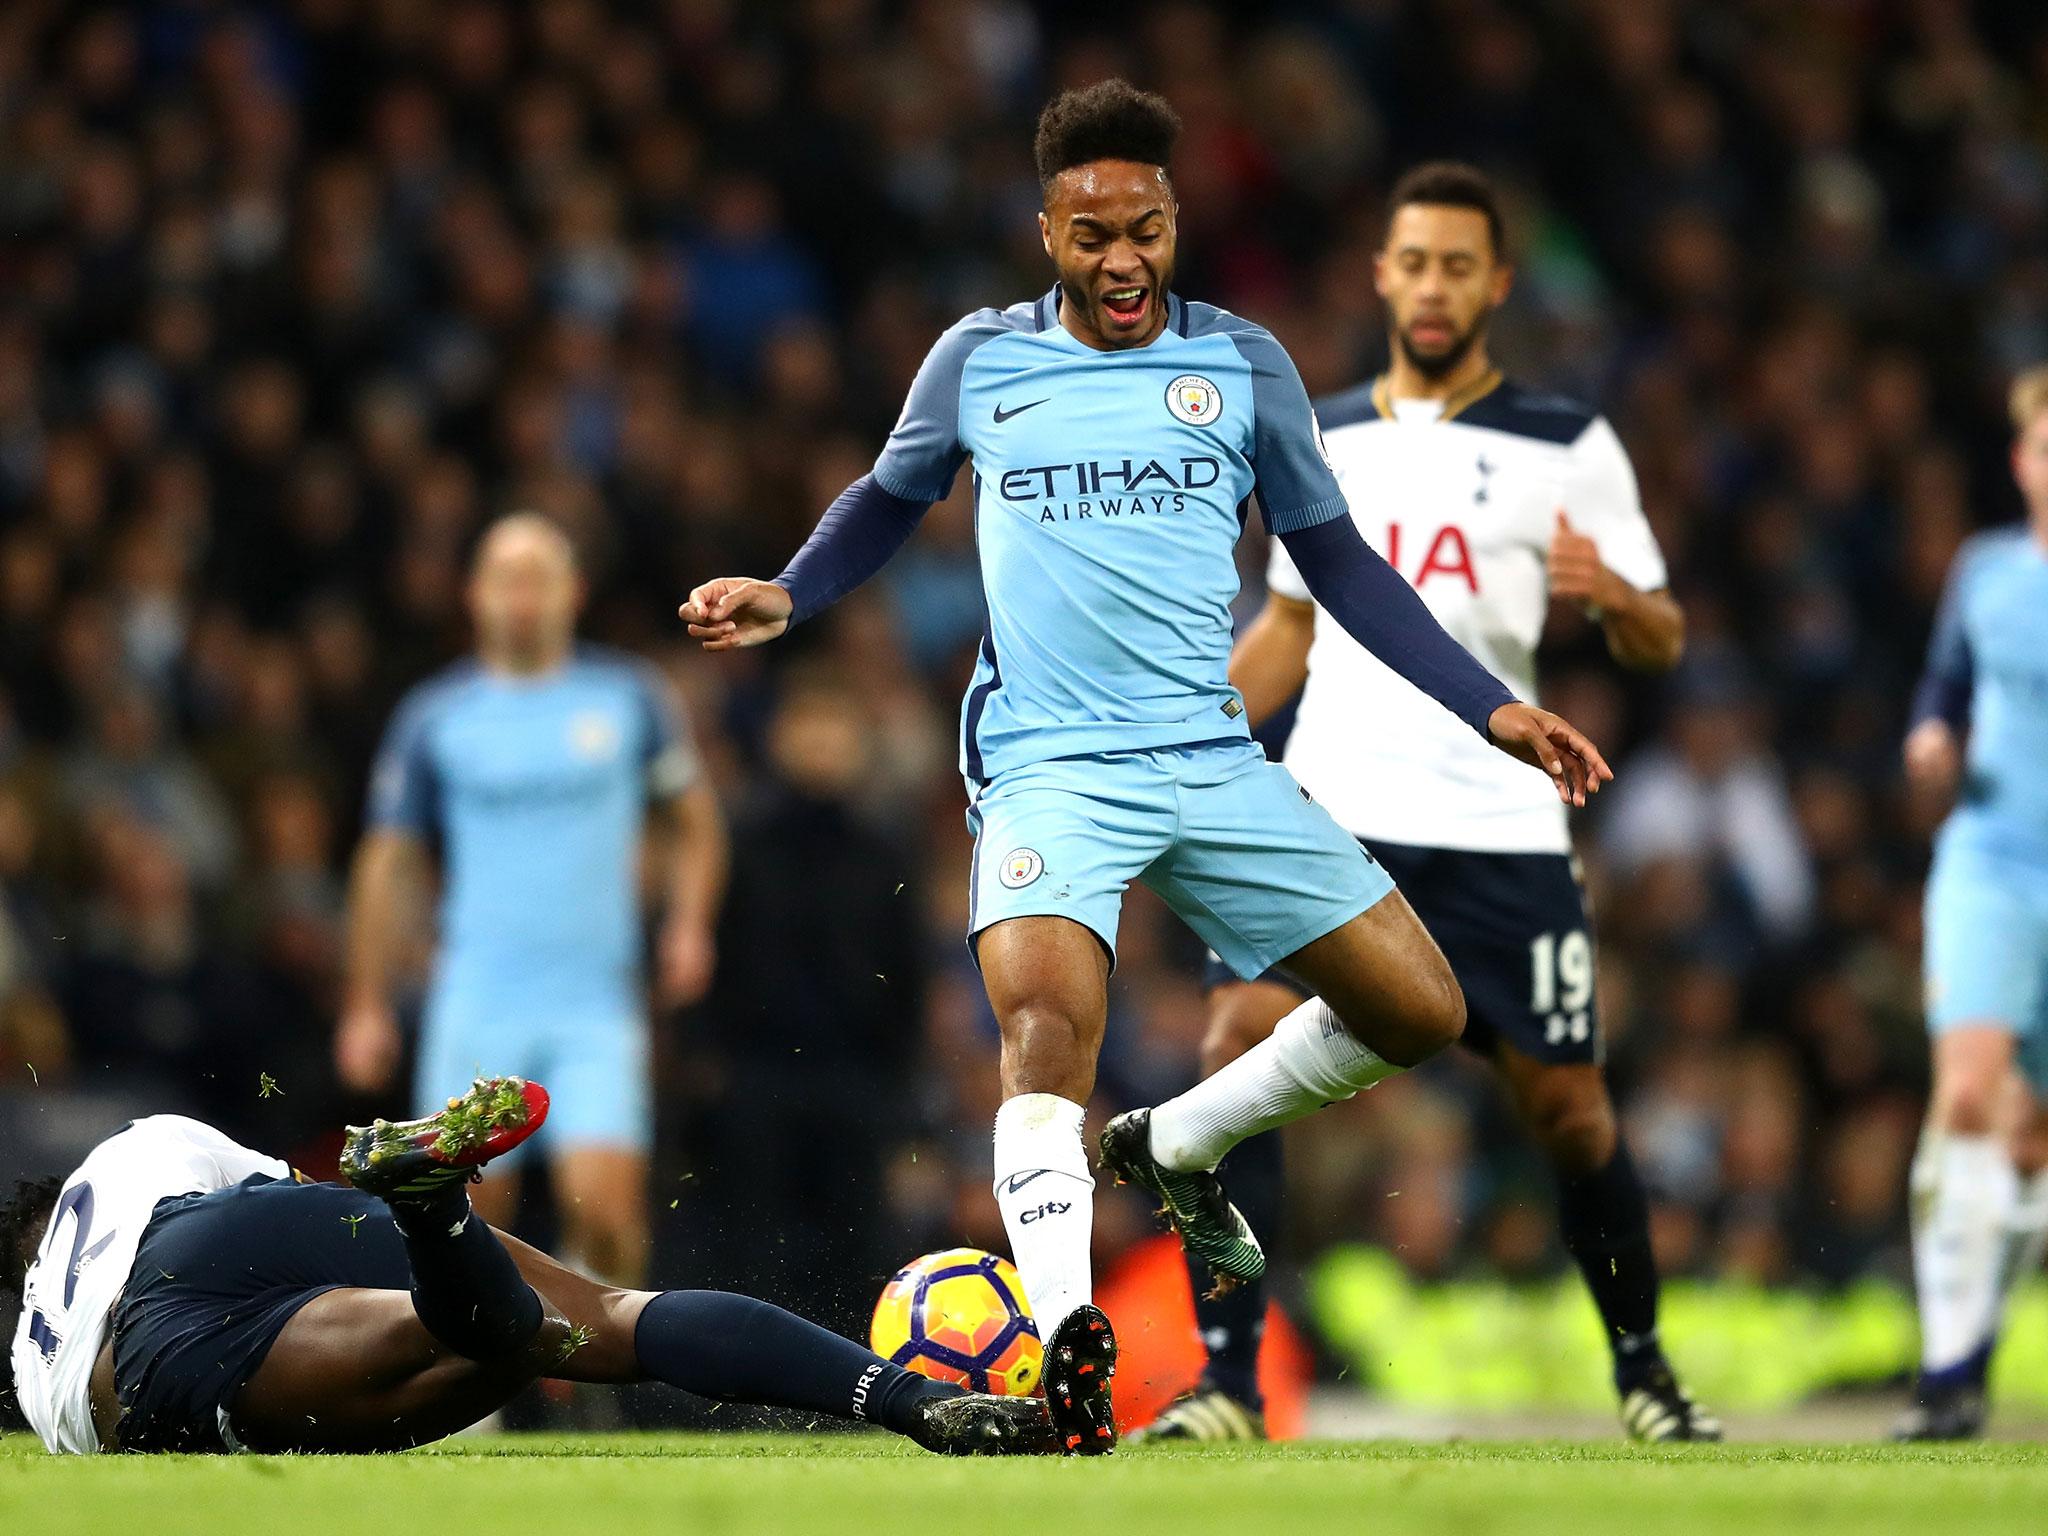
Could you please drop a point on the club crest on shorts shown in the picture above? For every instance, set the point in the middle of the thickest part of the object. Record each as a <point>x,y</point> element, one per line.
<point>1020,867</point>
<point>1194,400</point>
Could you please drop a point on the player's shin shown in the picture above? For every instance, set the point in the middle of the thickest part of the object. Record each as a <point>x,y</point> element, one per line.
<point>1308,1061</point>
<point>1232,1321</point>
<point>1964,1191</point>
<point>465,1287</point>
<point>2024,1237</point>
<point>1605,1218</point>
<point>1047,1197</point>
<point>734,1349</point>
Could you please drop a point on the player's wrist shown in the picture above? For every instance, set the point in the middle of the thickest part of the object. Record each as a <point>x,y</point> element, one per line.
<point>1610,597</point>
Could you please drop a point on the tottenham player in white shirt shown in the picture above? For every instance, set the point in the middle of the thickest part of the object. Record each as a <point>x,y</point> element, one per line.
<point>1493,501</point>
<point>182,1293</point>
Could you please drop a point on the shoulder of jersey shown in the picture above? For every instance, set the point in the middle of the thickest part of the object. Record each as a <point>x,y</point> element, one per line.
<point>1530,413</point>
<point>1987,542</point>
<point>438,689</point>
<point>986,324</point>
<point>1990,547</point>
<point>1347,407</point>
<point>1248,336</point>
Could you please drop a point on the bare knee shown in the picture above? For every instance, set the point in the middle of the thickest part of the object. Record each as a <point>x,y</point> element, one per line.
<point>2030,1141</point>
<point>1242,1014</point>
<point>602,1195</point>
<point>1976,1090</point>
<point>1412,1021</point>
<point>612,1247</point>
<point>1572,1119</point>
<point>1967,1101</point>
<point>1441,1018</point>
<point>1048,982</point>
<point>1049,1047</point>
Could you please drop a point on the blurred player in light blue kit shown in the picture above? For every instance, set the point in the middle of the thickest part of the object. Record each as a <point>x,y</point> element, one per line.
<point>1980,734</point>
<point>529,773</point>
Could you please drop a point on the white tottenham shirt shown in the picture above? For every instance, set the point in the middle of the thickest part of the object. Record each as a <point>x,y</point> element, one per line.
<point>83,1263</point>
<point>1460,497</point>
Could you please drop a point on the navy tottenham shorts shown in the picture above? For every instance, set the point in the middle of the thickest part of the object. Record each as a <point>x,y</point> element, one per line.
<point>216,1278</point>
<point>1513,926</point>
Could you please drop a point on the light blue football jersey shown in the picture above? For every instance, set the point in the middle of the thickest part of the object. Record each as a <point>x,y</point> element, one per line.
<point>1991,646</point>
<point>1110,489</point>
<point>534,792</point>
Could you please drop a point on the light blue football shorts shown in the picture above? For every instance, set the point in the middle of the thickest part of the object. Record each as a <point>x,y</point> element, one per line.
<point>1230,841</point>
<point>1986,949</point>
<point>592,1057</point>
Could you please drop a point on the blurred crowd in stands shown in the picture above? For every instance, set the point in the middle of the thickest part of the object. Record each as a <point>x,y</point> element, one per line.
<point>294,296</point>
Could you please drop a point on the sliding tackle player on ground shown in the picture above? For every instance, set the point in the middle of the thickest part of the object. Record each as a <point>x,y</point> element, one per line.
<point>1119,435</point>
<point>182,1293</point>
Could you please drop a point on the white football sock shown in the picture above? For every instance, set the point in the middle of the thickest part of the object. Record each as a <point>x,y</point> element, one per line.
<point>1964,1188</point>
<point>1308,1061</point>
<point>1047,1197</point>
<point>2024,1238</point>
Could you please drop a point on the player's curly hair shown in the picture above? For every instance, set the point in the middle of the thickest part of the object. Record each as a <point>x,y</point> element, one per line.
<point>1451,184</point>
<point>1109,120</point>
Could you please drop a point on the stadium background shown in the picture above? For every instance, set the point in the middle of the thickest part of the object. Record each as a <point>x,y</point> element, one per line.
<point>294,297</point>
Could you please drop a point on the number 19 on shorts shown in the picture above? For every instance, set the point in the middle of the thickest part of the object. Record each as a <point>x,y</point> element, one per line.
<point>1561,984</point>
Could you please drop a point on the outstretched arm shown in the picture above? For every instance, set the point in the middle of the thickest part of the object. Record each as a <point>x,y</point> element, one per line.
<point>1305,508</point>
<point>853,540</point>
<point>871,518</point>
<point>1382,613</point>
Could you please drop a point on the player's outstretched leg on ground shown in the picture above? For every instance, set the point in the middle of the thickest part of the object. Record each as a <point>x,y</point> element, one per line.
<point>1048,982</point>
<point>1385,1000</point>
<point>363,1368</point>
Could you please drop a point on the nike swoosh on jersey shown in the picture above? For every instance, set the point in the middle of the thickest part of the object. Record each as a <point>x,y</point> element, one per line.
<point>1003,415</point>
<point>1018,1180</point>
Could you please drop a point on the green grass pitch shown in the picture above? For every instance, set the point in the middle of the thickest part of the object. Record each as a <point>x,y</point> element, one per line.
<point>711,1485</point>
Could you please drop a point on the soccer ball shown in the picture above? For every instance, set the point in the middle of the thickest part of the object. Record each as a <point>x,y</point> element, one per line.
<point>961,1316</point>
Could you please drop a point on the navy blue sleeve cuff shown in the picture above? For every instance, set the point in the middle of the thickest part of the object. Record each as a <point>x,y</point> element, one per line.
<point>862,528</point>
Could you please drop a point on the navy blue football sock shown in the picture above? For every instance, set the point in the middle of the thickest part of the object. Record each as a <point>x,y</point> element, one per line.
<point>1233,1325</point>
<point>735,1349</point>
<point>1968,1373</point>
<point>1606,1221</point>
<point>465,1287</point>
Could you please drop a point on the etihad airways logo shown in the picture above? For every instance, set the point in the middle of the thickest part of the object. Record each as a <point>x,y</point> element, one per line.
<point>1109,487</point>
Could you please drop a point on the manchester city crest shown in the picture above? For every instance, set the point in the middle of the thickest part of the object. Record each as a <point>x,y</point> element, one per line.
<point>1021,867</point>
<point>1194,399</point>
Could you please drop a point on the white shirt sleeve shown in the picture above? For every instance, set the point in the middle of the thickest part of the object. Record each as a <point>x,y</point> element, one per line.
<point>1282,578</point>
<point>1602,501</point>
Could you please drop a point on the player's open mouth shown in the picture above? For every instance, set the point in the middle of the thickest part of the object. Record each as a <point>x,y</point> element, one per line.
<point>1126,306</point>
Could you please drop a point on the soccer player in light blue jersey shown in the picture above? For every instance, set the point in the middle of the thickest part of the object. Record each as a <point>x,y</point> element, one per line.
<point>1120,436</point>
<point>529,774</point>
<point>1980,736</point>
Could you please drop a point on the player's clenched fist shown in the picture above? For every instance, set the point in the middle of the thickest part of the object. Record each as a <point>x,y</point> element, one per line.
<point>1551,743</point>
<point>1576,574</point>
<point>736,611</point>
